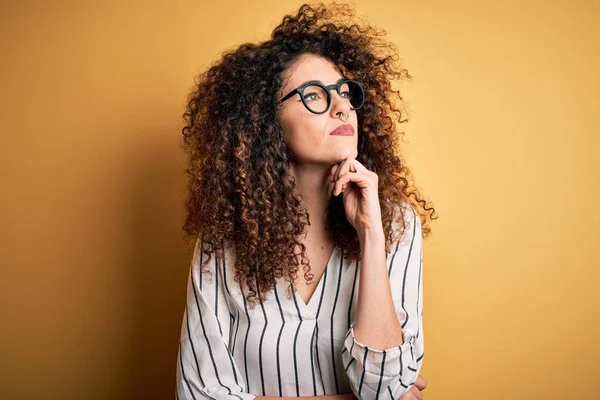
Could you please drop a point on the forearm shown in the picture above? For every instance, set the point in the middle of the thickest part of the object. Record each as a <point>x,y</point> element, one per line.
<point>348,396</point>
<point>376,324</point>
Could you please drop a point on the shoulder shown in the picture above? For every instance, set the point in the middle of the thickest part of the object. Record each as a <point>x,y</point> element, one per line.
<point>208,255</point>
<point>407,222</point>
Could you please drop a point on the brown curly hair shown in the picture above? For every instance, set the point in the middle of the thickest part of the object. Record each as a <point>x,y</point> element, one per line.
<point>240,190</point>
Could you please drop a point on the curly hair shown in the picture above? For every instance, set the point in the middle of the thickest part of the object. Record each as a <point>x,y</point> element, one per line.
<point>240,190</point>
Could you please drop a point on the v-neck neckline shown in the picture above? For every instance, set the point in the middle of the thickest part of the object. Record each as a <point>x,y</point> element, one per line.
<point>310,306</point>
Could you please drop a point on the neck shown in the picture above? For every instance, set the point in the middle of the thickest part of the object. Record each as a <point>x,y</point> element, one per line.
<point>312,182</point>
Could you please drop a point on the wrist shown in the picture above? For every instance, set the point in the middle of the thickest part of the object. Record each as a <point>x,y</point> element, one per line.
<point>371,235</point>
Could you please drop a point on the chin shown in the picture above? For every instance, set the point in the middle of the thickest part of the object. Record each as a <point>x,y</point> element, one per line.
<point>342,154</point>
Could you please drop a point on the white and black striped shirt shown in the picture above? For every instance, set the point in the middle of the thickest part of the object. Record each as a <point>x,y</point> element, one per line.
<point>284,347</point>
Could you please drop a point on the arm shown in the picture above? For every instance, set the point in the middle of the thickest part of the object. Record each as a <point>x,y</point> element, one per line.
<point>206,369</point>
<point>349,396</point>
<point>384,345</point>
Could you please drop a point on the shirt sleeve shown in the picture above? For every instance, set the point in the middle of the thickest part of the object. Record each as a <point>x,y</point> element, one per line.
<point>205,366</point>
<point>389,373</point>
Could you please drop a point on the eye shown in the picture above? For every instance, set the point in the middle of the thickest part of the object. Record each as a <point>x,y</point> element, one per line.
<point>315,96</point>
<point>345,94</point>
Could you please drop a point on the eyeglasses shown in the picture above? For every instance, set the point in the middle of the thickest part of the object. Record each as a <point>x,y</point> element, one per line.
<point>316,97</point>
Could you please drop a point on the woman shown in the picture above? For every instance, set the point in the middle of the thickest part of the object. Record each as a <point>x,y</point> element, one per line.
<point>291,147</point>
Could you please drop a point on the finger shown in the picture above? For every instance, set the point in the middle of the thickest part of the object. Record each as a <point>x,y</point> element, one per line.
<point>352,164</point>
<point>420,383</point>
<point>413,393</point>
<point>344,166</point>
<point>355,167</point>
<point>358,166</point>
<point>417,393</point>
<point>337,170</point>
<point>332,171</point>
<point>361,180</point>
<point>341,185</point>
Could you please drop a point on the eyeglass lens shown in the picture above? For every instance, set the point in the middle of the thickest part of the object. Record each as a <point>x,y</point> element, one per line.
<point>316,98</point>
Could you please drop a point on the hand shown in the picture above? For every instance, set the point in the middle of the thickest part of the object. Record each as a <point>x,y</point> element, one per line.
<point>413,394</point>
<point>415,390</point>
<point>360,189</point>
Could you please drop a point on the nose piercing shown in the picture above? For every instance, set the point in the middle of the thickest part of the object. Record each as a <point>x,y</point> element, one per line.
<point>344,117</point>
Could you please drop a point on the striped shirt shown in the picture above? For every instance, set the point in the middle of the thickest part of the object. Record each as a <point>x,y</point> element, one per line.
<point>285,347</point>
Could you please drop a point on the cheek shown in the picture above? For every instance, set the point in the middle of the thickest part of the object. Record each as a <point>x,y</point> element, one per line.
<point>306,132</point>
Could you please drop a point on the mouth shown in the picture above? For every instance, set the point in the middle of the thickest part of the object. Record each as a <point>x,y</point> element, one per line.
<point>343,130</point>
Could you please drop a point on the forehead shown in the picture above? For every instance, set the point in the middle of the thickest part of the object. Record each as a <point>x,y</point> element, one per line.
<point>310,67</point>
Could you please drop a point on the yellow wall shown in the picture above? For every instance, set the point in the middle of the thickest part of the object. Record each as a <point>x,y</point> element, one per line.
<point>503,137</point>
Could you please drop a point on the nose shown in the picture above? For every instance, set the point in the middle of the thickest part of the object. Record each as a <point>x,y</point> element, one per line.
<point>339,105</point>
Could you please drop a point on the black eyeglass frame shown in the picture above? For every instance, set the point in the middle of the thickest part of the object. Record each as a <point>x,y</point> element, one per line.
<point>336,86</point>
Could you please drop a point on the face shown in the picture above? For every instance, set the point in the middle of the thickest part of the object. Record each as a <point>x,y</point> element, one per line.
<point>307,134</point>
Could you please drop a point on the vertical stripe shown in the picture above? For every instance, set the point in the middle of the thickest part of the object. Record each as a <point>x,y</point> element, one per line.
<point>400,359</point>
<point>246,340</point>
<point>420,312</point>
<point>393,256</point>
<point>352,360</point>
<point>260,345</point>
<point>295,348</point>
<point>237,327</point>
<point>232,319</point>
<point>312,359</point>
<point>381,374</point>
<point>352,294</point>
<point>278,343</point>
<point>324,277</point>
<point>362,377</point>
<point>209,346</point>
<point>349,364</point>
<point>221,335</point>
<point>192,345</point>
<point>216,307</point>
<point>229,353</point>
<point>204,330</point>
<point>201,245</point>
<point>333,357</point>
<point>236,318</point>
<point>183,375</point>
<point>406,271</point>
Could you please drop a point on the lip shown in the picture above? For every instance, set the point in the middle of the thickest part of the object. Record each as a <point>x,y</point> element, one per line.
<point>343,130</point>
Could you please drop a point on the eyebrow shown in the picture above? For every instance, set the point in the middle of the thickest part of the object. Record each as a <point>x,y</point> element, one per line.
<point>320,82</point>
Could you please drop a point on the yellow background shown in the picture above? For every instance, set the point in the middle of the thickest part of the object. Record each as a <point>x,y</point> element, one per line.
<point>503,138</point>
